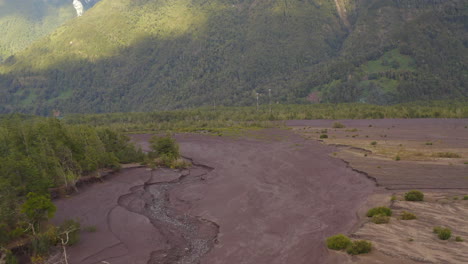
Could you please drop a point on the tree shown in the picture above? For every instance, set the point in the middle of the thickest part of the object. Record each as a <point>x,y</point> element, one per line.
<point>38,208</point>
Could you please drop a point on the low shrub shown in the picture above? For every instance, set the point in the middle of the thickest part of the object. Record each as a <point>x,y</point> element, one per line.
<point>442,233</point>
<point>359,247</point>
<point>414,196</point>
<point>458,239</point>
<point>407,216</point>
<point>383,210</point>
<point>446,155</point>
<point>324,136</point>
<point>373,143</point>
<point>338,125</point>
<point>380,219</point>
<point>429,143</point>
<point>338,242</point>
<point>397,158</point>
<point>324,131</point>
<point>465,197</point>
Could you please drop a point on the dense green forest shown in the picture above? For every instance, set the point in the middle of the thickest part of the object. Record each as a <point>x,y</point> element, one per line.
<point>37,154</point>
<point>148,55</point>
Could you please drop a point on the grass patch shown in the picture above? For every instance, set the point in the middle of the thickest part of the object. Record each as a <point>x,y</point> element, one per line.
<point>380,219</point>
<point>338,125</point>
<point>442,233</point>
<point>382,210</point>
<point>450,155</point>
<point>359,247</point>
<point>428,143</point>
<point>373,143</point>
<point>458,239</point>
<point>397,158</point>
<point>465,197</point>
<point>338,242</point>
<point>407,216</point>
<point>324,136</point>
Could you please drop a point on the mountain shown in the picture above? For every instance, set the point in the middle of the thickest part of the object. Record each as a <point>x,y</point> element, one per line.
<point>142,55</point>
<point>24,21</point>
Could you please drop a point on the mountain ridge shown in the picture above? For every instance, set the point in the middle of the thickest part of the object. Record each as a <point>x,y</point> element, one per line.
<point>151,54</point>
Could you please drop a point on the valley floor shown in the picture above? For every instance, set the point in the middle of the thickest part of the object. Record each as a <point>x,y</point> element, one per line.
<point>273,196</point>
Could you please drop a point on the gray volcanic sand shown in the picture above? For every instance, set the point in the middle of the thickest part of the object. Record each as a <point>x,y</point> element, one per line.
<point>270,200</point>
<point>414,239</point>
<point>441,179</point>
<point>447,135</point>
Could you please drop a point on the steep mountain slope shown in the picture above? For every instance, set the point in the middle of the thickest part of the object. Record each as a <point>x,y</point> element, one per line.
<point>125,55</point>
<point>24,21</point>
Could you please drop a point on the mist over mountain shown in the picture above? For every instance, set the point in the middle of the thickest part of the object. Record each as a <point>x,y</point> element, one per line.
<point>144,55</point>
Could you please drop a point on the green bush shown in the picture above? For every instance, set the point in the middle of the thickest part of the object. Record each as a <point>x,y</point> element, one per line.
<point>442,233</point>
<point>165,146</point>
<point>407,216</point>
<point>458,239</point>
<point>359,247</point>
<point>414,196</point>
<point>10,258</point>
<point>397,158</point>
<point>383,210</point>
<point>380,219</point>
<point>465,197</point>
<point>338,242</point>
<point>324,136</point>
<point>373,143</point>
<point>338,125</point>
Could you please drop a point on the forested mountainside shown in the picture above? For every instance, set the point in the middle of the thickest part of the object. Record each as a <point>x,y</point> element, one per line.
<point>143,55</point>
<point>24,21</point>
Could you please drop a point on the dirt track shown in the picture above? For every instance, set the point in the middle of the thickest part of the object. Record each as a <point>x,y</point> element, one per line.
<point>270,200</point>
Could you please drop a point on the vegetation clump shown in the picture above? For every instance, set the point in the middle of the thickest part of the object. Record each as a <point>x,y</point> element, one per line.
<point>407,216</point>
<point>338,125</point>
<point>359,247</point>
<point>450,155</point>
<point>458,239</point>
<point>166,153</point>
<point>342,242</point>
<point>338,242</point>
<point>442,233</point>
<point>382,210</point>
<point>465,197</point>
<point>373,143</point>
<point>324,136</point>
<point>414,196</point>
<point>380,219</point>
